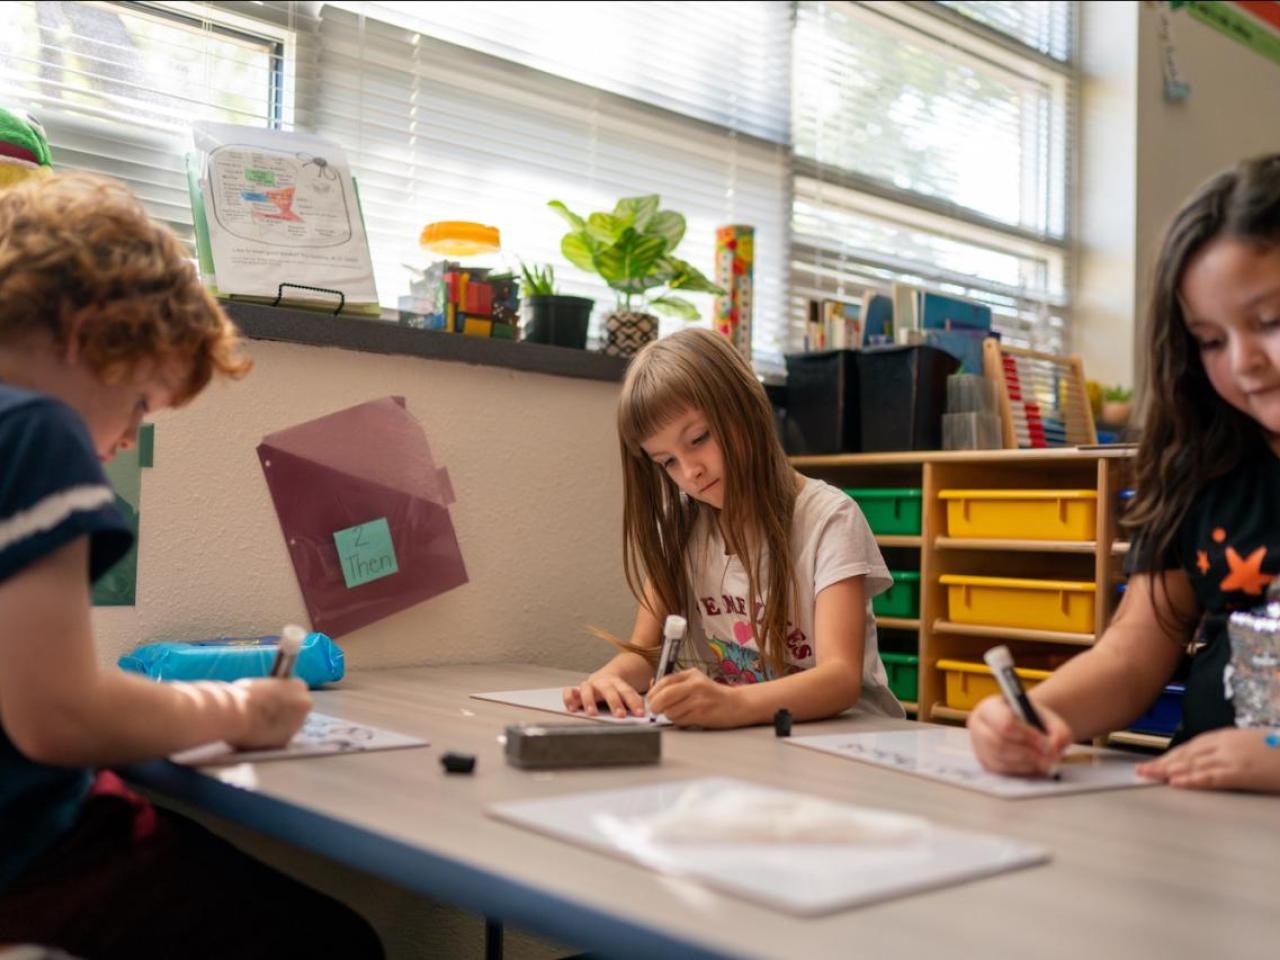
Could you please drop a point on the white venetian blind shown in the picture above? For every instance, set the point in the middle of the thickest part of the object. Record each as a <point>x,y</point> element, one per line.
<point>117,86</point>
<point>438,131</point>
<point>722,62</point>
<point>1047,27</point>
<point>927,151</point>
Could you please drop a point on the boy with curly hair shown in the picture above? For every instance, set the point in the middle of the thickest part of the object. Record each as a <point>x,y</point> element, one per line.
<point>102,322</point>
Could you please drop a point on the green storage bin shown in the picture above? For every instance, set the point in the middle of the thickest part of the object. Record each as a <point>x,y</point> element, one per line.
<point>904,674</point>
<point>900,600</point>
<point>890,511</point>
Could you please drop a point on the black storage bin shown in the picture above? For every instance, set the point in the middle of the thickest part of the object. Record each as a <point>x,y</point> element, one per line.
<point>822,403</point>
<point>902,395</point>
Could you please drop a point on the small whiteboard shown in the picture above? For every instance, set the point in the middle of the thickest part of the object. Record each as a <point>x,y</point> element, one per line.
<point>321,735</point>
<point>551,699</point>
<point>944,753</point>
<point>801,878</point>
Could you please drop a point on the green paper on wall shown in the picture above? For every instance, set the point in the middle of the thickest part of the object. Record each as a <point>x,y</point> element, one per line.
<point>118,587</point>
<point>366,552</point>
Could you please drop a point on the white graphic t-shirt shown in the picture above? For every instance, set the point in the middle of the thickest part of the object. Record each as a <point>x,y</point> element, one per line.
<point>830,542</point>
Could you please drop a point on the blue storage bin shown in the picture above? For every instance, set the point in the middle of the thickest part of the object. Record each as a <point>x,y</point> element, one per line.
<point>1165,714</point>
<point>320,660</point>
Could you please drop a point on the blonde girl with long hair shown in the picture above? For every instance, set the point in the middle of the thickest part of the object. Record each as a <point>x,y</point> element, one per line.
<point>774,571</point>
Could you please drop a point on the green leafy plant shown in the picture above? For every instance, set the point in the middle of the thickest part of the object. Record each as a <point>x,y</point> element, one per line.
<point>537,281</point>
<point>1117,394</point>
<point>631,249</point>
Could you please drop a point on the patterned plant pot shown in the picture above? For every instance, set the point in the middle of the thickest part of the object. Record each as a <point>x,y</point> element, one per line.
<point>625,332</point>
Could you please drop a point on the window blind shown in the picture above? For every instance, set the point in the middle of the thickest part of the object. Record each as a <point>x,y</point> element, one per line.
<point>436,131</point>
<point>725,63</point>
<point>928,153</point>
<point>117,86</point>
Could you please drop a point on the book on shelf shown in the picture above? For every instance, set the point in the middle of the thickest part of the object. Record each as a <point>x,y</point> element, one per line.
<point>277,220</point>
<point>833,325</point>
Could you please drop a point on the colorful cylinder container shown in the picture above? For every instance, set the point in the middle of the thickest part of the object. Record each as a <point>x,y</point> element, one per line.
<point>735,267</point>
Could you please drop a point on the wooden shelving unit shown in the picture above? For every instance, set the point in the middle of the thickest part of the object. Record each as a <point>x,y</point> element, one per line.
<point>1025,546</point>
<point>898,623</point>
<point>1105,470</point>
<point>1126,738</point>
<point>1014,633</point>
<point>902,541</point>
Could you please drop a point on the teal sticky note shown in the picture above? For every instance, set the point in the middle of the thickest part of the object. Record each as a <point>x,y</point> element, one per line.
<point>366,552</point>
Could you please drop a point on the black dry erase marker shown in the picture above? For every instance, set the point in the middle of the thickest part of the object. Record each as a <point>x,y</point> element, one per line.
<point>1000,660</point>
<point>291,638</point>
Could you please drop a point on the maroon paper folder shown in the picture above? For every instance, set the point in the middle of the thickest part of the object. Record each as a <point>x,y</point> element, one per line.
<point>351,468</point>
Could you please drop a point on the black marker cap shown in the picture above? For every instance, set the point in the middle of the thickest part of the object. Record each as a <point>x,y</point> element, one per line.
<point>782,723</point>
<point>458,762</point>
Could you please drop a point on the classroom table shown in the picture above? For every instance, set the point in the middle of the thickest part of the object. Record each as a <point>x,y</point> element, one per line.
<point>1151,872</point>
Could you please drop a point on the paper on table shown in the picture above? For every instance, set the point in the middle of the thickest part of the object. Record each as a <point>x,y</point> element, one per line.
<point>280,206</point>
<point>942,753</point>
<point>551,699</point>
<point>807,878</point>
<point>320,735</point>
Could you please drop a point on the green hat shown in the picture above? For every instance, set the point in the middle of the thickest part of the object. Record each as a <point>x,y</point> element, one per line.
<point>24,148</point>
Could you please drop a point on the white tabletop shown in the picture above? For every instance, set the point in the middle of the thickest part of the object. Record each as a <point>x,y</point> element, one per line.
<point>1152,872</point>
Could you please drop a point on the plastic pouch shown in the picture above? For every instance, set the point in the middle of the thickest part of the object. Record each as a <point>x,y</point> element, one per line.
<point>233,658</point>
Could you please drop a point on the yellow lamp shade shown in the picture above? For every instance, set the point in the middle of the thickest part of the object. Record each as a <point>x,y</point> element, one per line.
<point>459,238</point>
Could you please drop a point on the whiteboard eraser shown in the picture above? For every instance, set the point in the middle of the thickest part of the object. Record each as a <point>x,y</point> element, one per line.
<point>546,745</point>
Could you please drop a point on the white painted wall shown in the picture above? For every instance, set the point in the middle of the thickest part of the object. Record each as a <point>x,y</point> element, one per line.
<point>1141,157</point>
<point>534,463</point>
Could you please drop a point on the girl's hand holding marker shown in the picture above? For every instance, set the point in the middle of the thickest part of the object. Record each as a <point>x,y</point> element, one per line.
<point>1009,734</point>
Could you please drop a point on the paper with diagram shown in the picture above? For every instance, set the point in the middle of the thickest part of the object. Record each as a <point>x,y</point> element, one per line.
<point>945,754</point>
<point>320,735</point>
<point>551,699</point>
<point>279,208</point>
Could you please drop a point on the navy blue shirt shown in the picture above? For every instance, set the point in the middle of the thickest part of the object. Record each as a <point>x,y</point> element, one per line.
<point>1229,547</point>
<point>52,492</point>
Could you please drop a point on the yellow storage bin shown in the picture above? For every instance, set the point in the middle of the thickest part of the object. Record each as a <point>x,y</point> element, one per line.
<point>967,683</point>
<point>1022,514</point>
<point>1031,604</point>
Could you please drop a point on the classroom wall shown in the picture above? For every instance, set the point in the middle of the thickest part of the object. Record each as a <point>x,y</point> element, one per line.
<point>1142,156</point>
<point>534,464</point>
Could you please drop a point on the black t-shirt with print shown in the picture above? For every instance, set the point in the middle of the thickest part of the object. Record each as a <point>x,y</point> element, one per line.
<point>1229,547</point>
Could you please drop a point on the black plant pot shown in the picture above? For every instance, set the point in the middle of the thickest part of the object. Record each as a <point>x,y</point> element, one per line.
<point>559,321</point>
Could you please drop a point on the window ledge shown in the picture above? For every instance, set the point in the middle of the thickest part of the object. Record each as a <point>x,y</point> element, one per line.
<point>311,327</point>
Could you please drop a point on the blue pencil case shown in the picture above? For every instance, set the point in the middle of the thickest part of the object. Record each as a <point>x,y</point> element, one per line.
<point>233,658</point>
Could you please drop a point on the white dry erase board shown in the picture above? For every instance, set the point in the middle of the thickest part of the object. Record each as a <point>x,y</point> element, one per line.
<point>551,699</point>
<point>944,753</point>
<point>807,878</point>
<point>321,735</point>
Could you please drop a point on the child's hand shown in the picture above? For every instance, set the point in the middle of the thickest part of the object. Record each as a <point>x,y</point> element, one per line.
<point>692,699</point>
<point>1004,744</point>
<point>274,711</point>
<point>1227,759</point>
<point>610,688</point>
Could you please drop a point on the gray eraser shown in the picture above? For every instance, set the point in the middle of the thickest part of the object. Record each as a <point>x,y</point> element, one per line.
<point>542,745</point>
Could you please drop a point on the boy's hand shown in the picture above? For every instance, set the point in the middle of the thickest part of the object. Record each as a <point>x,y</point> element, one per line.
<point>610,688</point>
<point>274,711</point>
<point>1227,759</point>
<point>1004,744</point>
<point>692,699</point>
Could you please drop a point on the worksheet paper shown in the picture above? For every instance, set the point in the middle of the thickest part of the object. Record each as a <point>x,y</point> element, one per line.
<point>945,754</point>
<point>551,699</point>
<point>808,878</point>
<point>320,735</point>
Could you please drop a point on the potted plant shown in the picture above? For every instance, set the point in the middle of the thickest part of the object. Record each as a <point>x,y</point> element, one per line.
<point>1116,405</point>
<point>548,316</point>
<point>631,249</point>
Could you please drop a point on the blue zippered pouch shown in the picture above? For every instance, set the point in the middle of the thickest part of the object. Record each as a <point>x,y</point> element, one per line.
<point>234,658</point>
